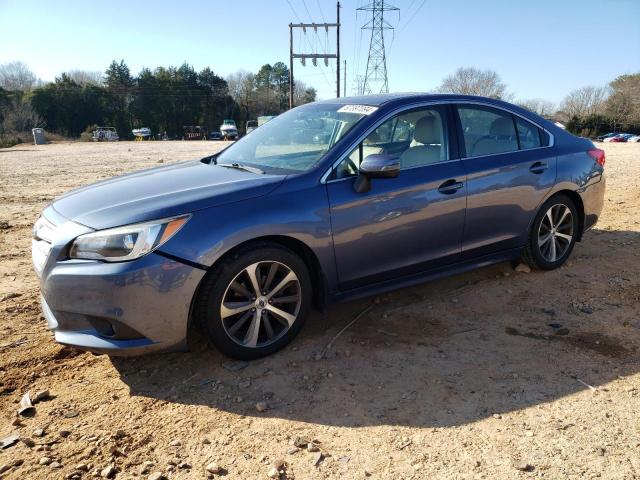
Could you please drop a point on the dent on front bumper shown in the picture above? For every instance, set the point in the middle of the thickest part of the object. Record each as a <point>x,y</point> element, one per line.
<point>126,308</point>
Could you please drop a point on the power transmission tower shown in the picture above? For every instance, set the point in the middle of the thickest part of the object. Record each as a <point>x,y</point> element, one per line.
<point>375,78</point>
<point>315,56</point>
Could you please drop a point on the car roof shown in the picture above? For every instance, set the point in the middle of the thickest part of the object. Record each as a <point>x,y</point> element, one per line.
<point>410,97</point>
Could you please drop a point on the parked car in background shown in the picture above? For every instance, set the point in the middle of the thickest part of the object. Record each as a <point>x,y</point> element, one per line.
<point>251,125</point>
<point>105,134</point>
<point>194,132</point>
<point>601,138</point>
<point>229,130</point>
<point>399,189</point>
<point>621,137</point>
<point>634,139</point>
<point>215,135</point>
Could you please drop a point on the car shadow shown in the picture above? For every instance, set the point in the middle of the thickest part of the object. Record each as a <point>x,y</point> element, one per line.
<point>446,353</point>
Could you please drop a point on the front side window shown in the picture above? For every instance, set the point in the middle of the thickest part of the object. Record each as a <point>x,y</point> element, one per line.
<point>296,140</point>
<point>418,137</point>
<point>487,131</point>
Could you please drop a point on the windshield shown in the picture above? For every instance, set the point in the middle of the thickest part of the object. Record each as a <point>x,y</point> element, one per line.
<point>295,140</point>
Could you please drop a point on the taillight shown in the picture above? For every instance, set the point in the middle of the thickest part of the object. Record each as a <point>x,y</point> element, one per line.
<point>597,155</point>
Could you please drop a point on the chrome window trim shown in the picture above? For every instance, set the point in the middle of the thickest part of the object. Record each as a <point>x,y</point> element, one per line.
<point>428,103</point>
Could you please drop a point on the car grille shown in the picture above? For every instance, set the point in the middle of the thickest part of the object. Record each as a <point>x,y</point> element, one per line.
<point>43,232</point>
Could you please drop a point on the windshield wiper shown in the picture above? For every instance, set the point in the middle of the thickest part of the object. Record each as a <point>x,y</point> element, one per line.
<point>241,167</point>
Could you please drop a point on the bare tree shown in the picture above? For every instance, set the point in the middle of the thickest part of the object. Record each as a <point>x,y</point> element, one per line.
<point>473,81</point>
<point>542,107</point>
<point>20,117</point>
<point>585,101</point>
<point>86,77</point>
<point>241,87</point>
<point>16,76</point>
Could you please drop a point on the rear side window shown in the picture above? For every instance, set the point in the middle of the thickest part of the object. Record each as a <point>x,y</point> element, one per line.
<point>529,135</point>
<point>487,131</point>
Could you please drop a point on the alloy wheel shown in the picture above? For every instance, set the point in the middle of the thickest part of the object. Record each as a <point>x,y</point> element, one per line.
<point>261,304</point>
<point>555,232</point>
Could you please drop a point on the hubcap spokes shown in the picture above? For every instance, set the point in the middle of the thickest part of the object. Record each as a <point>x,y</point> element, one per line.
<point>261,304</point>
<point>555,233</point>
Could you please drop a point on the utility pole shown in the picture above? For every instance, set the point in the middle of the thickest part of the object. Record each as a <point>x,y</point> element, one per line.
<point>314,56</point>
<point>375,78</point>
<point>338,50</point>
<point>344,82</point>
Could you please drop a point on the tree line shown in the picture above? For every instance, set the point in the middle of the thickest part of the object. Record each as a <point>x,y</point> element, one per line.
<point>164,99</point>
<point>167,98</point>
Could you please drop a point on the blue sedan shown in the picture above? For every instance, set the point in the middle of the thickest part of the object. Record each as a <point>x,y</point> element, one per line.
<point>328,201</point>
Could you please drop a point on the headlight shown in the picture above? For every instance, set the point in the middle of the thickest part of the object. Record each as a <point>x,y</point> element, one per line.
<point>126,243</point>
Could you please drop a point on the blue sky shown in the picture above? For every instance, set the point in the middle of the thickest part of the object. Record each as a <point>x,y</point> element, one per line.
<point>541,49</point>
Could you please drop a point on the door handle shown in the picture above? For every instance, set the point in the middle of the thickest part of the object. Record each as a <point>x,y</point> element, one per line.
<point>450,186</point>
<point>538,167</point>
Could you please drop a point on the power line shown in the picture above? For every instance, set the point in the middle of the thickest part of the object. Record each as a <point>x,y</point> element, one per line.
<point>412,16</point>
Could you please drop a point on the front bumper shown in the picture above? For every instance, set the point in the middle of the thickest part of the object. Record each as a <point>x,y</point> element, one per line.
<point>126,308</point>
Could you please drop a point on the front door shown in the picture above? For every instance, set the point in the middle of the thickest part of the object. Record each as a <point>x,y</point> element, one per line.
<point>406,224</point>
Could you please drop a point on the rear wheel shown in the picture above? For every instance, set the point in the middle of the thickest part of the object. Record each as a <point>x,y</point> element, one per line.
<point>255,302</point>
<point>553,234</point>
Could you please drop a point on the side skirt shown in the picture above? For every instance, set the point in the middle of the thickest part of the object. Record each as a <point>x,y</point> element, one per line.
<point>423,277</point>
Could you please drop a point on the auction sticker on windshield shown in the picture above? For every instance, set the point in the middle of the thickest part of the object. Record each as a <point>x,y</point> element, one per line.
<point>361,109</point>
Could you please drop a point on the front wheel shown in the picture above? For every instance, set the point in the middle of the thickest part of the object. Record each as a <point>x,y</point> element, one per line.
<point>553,234</point>
<point>254,302</point>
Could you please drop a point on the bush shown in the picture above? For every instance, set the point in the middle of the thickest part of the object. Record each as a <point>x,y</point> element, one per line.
<point>87,135</point>
<point>9,140</point>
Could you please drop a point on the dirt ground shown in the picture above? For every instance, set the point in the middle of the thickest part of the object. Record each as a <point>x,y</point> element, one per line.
<point>459,378</point>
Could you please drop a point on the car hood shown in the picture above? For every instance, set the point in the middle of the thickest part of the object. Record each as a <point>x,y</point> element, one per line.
<point>161,192</point>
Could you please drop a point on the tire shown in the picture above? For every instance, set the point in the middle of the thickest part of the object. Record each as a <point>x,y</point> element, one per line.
<point>279,313</point>
<point>548,246</point>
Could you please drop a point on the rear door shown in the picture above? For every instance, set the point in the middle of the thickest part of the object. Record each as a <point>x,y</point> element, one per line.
<point>406,224</point>
<point>510,168</point>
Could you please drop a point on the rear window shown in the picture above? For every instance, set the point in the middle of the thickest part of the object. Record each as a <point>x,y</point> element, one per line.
<point>529,135</point>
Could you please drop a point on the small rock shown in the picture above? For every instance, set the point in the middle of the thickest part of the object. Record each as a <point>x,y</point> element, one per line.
<point>312,447</point>
<point>55,465</point>
<point>317,458</point>
<point>293,450</point>
<point>108,472</point>
<point>175,443</point>
<point>45,461</point>
<point>184,466</point>
<point>273,473</point>
<point>4,225</point>
<point>82,467</point>
<point>40,396</point>
<point>206,441</point>
<point>524,467</point>
<point>38,432</point>
<point>300,442</point>
<point>71,414</point>
<point>28,442</point>
<point>523,268</point>
<point>528,433</point>
<point>213,468</point>
<point>161,161</point>
<point>235,366</point>
<point>262,406</point>
<point>64,433</point>
<point>157,476</point>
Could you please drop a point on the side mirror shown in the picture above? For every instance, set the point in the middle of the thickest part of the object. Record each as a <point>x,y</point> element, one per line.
<point>380,166</point>
<point>376,166</point>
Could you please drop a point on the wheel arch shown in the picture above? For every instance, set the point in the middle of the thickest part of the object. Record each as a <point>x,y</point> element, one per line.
<point>318,278</point>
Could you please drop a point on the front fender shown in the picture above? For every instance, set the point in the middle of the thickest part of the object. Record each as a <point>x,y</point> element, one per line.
<point>301,214</point>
